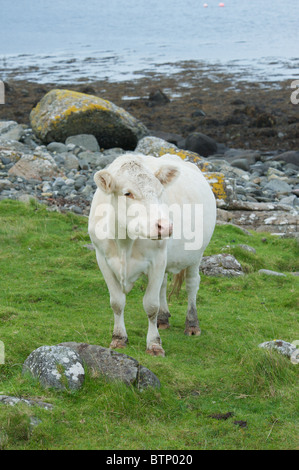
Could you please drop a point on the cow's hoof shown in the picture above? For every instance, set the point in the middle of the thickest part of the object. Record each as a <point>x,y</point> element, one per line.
<point>162,321</point>
<point>192,331</point>
<point>163,325</point>
<point>156,350</point>
<point>118,343</point>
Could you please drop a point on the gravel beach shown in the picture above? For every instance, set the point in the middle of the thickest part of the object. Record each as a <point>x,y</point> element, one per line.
<point>247,132</point>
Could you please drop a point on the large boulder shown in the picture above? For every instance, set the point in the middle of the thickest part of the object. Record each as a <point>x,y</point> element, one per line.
<point>64,113</point>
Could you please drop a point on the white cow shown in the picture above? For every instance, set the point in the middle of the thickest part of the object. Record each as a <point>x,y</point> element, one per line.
<point>139,203</point>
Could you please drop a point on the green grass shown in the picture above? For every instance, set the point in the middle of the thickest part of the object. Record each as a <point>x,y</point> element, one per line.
<point>52,291</point>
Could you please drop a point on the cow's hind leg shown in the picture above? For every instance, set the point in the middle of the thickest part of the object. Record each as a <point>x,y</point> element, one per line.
<point>192,286</point>
<point>163,314</point>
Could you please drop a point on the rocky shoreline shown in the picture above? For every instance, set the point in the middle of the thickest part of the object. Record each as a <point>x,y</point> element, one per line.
<point>259,187</point>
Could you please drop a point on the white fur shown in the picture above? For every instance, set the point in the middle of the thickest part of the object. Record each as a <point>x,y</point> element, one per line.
<point>162,182</point>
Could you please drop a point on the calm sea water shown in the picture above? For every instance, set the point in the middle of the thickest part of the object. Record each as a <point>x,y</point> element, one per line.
<point>64,40</point>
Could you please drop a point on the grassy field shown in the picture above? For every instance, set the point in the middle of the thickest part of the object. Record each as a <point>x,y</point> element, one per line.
<point>52,291</point>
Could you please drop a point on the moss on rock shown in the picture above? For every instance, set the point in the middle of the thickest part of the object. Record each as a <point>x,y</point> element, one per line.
<point>63,113</point>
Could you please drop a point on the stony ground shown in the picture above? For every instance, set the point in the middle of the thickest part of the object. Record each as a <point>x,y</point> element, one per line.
<point>239,114</point>
<point>253,131</point>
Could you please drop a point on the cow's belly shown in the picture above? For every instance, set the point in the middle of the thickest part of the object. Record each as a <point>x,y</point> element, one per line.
<point>178,258</point>
<point>127,271</point>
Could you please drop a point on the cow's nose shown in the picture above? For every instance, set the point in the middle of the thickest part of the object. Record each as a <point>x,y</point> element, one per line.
<point>164,227</point>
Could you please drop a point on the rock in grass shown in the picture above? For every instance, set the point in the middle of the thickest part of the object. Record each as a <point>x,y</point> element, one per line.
<point>221,265</point>
<point>268,272</point>
<point>64,113</point>
<point>114,366</point>
<point>283,347</point>
<point>12,401</point>
<point>55,366</point>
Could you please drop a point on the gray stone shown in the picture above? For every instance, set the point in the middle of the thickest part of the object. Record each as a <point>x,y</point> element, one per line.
<point>283,347</point>
<point>290,200</point>
<point>241,163</point>
<point>86,141</point>
<point>278,186</point>
<point>57,147</point>
<point>221,265</point>
<point>146,378</point>
<point>114,366</point>
<point>201,144</point>
<point>10,130</point>
<point>291,156</point>
<point>12,401</point>
<point>55,366</point>
<point>247,248</point>
<point>268,272</point>
<point>71,162</point>
<point>36,166</point>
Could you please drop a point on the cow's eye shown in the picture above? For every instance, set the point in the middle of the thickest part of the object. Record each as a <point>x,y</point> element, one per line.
<point>128,194</point>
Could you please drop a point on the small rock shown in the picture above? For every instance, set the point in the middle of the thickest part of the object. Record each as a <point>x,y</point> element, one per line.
<point>87,141</point>
<point>283,347</point>
<point>270,273</point>
<point>12,401</point>
<point>11,130</point>
<point>201,144</point>
<point>71,162</point>
<point>35,166</point>
<point>55,366</point>
<point>247,248</point>
<point>221,265</point>
<point>241,163</point>
<point>57,147</point>
<point>278,186</point>
<point>158,97</point>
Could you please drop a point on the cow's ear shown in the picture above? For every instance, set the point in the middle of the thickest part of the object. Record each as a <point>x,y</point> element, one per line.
<point>166,174</point>
<point>104,181</point>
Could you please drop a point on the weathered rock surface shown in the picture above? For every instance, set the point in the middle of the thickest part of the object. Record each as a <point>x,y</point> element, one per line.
<point>261,217</point>
<point>12,401</point>
<point>64,113</point>
<point>87,141</point>
<point>221,265</point>
<point>56,366</point>
<point>10,130</point>
<point>35,166</point>
<point>284,348</point>
<point>113,365</point>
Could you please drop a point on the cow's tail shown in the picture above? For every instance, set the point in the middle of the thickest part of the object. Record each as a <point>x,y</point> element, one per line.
<point>177,282</point>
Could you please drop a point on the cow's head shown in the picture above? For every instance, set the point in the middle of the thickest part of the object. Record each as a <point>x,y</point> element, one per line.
<point>136,196</point>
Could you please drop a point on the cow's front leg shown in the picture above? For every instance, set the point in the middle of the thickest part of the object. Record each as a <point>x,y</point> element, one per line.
<point>117,302</point>
<point>151,304</point>
<point>163,314</point>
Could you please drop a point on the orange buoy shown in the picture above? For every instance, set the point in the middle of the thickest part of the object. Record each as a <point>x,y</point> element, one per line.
<point>221,4</point>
